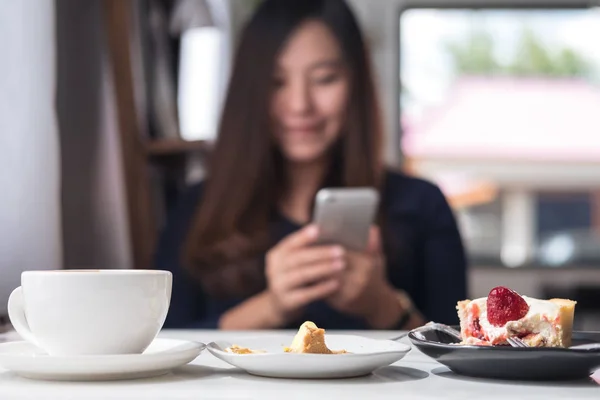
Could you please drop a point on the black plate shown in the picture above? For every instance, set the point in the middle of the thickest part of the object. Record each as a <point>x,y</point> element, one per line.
<point>505,362</point>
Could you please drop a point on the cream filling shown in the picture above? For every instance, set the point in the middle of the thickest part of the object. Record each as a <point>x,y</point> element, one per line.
<point>538,320</point>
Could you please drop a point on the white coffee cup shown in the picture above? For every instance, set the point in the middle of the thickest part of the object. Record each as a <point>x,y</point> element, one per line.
<point>90,312</point>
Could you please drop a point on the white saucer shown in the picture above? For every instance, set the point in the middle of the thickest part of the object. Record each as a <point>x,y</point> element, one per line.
<point>28,361</point>
<point>366,355</point>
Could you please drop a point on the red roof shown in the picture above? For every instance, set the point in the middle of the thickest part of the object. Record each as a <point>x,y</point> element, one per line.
<point>511,118</point>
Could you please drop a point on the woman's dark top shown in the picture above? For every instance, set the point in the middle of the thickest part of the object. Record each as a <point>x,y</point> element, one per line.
<point>427,258</point>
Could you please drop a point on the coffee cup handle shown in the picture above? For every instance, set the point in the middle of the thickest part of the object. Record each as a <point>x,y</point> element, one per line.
<point>16,313</point>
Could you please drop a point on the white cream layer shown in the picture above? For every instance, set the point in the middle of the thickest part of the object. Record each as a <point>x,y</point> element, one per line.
<point>536,321</point>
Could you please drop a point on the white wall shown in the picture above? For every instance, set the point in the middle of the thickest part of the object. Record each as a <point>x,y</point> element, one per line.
<point>30,225</point>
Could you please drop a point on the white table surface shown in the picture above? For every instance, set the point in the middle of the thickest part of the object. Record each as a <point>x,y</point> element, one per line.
<point>414,377</point>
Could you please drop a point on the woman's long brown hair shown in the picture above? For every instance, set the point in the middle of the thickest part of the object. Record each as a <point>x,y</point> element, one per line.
<point>230,231</point>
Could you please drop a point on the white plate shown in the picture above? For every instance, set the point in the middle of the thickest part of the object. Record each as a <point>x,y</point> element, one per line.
<point>160,357</point>
<point>366,355</point>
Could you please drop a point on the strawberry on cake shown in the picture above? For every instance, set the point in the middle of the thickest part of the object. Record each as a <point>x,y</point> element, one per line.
<point>490,320</point>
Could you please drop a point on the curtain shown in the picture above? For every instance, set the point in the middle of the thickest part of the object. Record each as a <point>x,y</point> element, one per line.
<point>94,215</point>
<point>30,220</point>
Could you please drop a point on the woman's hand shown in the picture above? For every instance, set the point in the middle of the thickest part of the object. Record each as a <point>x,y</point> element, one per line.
<point>364,290</point>
<point>298,273</point>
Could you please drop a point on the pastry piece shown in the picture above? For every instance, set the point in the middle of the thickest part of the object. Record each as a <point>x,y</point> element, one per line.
<point>310,339</point>
<point>504,313</point>
<point>234,348</point>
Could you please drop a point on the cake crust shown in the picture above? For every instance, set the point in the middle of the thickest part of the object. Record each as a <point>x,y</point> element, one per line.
<point>567,314</point>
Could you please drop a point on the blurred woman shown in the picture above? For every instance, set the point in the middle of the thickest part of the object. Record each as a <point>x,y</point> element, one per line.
<point>301,114</point>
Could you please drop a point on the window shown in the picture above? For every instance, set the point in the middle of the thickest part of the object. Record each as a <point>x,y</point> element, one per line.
<point>501,108</point>
<point>200,84</point>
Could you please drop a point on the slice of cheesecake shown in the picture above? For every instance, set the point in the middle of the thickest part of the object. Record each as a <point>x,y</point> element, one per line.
<point>504,313</point>
<point>310,339</point>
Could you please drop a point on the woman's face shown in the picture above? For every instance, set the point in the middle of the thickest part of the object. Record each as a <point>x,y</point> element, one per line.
<point>310,92</point>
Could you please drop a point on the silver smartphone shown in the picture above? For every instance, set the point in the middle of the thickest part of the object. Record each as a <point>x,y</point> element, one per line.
<point>345,215</point>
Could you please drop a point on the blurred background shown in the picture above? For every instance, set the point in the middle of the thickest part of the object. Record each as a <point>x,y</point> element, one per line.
<point>109,108</point>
